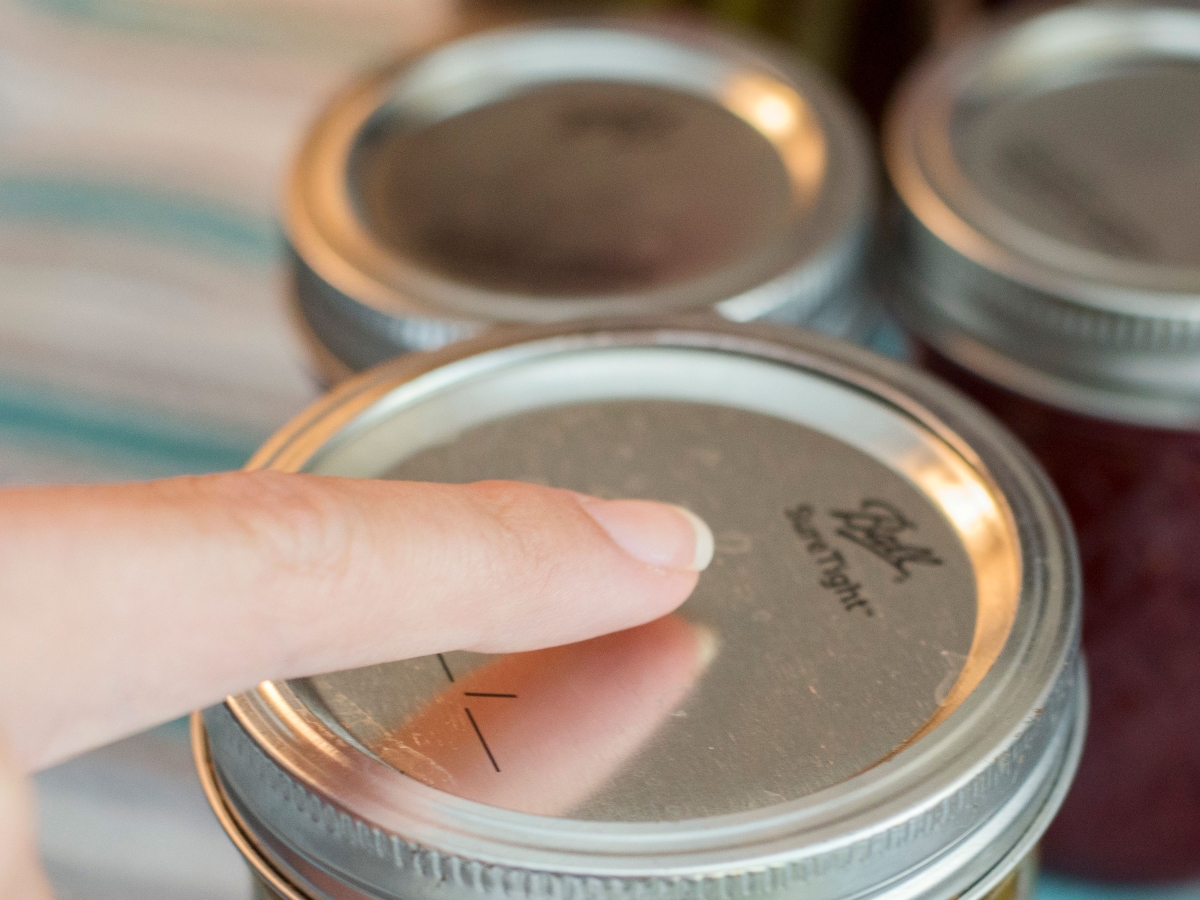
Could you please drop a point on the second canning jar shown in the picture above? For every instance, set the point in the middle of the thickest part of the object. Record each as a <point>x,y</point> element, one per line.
<point>556,171</point>
<point>1048,260</point>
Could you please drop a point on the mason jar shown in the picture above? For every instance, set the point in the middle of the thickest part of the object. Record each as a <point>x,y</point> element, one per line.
<point>566,169</point>
<point>876,689</point>
<point>1048,261</point>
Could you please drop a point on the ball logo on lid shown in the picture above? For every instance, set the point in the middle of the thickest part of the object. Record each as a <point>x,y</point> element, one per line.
<point>631,122</point>
<point>876,526</point>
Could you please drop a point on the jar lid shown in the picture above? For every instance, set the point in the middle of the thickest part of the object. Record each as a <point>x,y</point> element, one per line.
<point>560,170</point>
<point>1051,233</point>
<point>875,688</point>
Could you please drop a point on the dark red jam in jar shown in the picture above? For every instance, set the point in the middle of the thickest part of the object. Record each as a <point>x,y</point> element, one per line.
<point>1047,258</point>
<point>1134,496</point>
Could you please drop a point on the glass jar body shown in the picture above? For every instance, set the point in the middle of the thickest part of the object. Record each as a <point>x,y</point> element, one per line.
<point>1133,494</point>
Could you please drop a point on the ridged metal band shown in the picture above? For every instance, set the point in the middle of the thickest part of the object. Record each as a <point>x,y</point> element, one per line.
<point>361,336</point>
<point>1032,774</point>
<point>1093,333</point>
<point>1129,368</point>
<point>832,293</point>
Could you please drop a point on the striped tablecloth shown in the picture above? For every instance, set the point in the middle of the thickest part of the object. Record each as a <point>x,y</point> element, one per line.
<point>142,334</point>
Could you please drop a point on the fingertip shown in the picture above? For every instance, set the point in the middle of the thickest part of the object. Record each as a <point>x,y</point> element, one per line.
<point>705,545</point>
<point>658,534</point>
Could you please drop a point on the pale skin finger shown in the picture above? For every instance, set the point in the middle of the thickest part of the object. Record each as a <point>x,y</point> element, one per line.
<point>21,877</point>
<point>127,605</point>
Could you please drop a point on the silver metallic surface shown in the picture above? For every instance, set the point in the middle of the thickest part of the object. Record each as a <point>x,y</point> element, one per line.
<point>875,689</point>
<point>560,171</point>
<point>740,692</point>
<point>1051,182</point>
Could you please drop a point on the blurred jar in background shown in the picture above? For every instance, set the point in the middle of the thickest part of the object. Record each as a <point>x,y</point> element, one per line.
<point>1048,258</point>
<point>864,44</point>
<point>562,170</point>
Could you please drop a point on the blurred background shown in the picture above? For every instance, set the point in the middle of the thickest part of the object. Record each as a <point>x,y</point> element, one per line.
<point>143,329</point>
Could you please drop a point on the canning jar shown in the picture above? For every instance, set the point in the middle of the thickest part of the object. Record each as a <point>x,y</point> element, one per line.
<point>1048,260</point>
<point>569,169</point>
<point>875,690</point>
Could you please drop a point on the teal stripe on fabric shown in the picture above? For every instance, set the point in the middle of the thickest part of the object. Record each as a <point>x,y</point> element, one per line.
<point>313,35</point>
<point>138,441</point>
<point>1056,887</point>
<point>160,19</point>
<point>158,215</point>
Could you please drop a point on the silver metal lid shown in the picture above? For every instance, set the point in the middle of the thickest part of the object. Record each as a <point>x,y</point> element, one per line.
<point>874,691</point>
<point>564,170</point>
<point>1051,182</point>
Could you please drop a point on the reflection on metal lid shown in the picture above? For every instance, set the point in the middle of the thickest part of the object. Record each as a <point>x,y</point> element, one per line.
<point>565,170</point>
<point>882,655</point>
<point>832,549</point>
<point>1052,188</point>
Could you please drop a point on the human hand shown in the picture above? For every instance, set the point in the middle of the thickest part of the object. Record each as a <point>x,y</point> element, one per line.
<point>123,606</point>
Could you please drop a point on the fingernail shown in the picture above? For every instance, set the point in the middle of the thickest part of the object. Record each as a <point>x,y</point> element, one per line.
<point>660,534</point>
